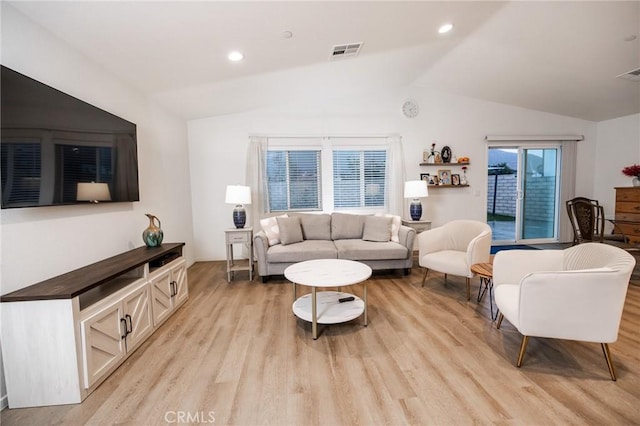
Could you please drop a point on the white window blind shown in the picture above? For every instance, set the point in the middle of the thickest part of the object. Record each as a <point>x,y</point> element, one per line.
<point>359,178</point>
<point>293,180</point>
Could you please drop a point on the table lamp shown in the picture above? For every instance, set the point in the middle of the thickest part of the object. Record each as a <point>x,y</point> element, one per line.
<point>415,189</point>
<point>238,195</point>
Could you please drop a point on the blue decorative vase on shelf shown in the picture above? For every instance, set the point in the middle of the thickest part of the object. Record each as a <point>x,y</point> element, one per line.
<point>152,236</point>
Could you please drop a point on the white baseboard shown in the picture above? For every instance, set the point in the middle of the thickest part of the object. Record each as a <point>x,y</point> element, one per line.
<point>4,402</point>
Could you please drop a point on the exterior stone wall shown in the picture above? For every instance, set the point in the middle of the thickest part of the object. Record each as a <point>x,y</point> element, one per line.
<point>540,196</point>
<point>505,202</point>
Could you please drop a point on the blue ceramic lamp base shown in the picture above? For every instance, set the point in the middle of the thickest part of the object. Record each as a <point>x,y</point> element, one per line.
<point>239,216</point>
<point>415,209</point>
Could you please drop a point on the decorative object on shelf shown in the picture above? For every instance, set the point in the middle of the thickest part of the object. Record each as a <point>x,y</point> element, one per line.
<point>455,179</point>
<point>463,159</point>
<point>410,109</point>
<point>634,172</point>
<point>463,178</point>
<point>238,195</point>
<point>446,154</point>
<point>425,155</point>
<point>152,236</point>
<point>93,192</point>
<point>444,177</point>
<point>433,155</point>
<point>415,189</point>
<point>424,177</point>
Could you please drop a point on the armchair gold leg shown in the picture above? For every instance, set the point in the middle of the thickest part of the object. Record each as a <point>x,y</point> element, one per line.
<point>468,289</point>
<point>607,356</point>
<point>424,279</point>
<point>523,348</point>
<point>500,318</point>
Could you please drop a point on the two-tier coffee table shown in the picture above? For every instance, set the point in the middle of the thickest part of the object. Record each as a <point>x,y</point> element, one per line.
<point>324,307</point>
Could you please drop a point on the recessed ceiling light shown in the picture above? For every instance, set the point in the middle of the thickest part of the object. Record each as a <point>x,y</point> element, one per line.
<point>235,56</point>
<point>445,28</point>
<point>287,34</point>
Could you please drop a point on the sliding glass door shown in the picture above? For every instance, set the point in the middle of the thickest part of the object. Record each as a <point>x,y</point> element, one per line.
<point>523,193</point>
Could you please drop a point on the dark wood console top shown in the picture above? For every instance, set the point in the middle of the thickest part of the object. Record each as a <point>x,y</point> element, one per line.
<point>74,283</point>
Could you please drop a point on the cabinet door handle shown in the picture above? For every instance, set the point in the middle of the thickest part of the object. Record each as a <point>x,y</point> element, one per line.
<point>174,288</point>
<point>124,322</point>
<point>130,329</point>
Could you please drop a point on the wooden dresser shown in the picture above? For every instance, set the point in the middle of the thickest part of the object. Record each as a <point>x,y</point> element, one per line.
<point>628,212</point>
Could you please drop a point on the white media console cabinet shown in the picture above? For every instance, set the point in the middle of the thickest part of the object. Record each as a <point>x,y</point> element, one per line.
<point>62,337</point>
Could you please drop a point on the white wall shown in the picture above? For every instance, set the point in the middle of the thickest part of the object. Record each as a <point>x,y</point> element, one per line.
<point>42,242</point>
<point>618,146</point>
<point>218,147</point>
<point>39,243</point>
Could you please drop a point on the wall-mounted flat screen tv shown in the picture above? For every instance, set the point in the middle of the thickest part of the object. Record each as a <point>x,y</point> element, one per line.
<point>56,149</point>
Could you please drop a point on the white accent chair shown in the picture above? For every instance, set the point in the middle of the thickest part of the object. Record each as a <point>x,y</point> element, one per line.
<point>453,247</point>
<point>572,294</point>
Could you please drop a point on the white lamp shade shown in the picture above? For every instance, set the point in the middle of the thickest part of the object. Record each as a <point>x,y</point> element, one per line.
<point>416,189</point>
<point>92,191</point>
<point>237,194</point>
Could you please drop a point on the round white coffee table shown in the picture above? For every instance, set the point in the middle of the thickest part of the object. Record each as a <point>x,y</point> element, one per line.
<point>325,307</point>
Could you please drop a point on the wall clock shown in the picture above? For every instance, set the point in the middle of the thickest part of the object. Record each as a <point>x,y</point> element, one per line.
<point>410,109</point>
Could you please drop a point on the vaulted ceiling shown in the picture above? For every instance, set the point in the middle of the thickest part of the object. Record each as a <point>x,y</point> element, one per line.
<point>558,57</point>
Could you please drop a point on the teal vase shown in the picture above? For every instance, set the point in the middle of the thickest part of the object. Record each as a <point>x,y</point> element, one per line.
<point>152,236</point>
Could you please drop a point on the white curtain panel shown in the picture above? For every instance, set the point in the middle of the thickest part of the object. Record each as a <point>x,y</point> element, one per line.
<point>256,167</point>
<point>396,176</point>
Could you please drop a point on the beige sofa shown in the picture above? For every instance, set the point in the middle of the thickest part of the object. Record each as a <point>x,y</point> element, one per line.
<point>380,241</point>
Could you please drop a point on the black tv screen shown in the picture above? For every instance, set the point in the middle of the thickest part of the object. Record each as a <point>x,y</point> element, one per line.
<point>56,149</point>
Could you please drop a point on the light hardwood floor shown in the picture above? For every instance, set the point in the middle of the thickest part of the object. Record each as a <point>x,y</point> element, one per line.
<point>235,354</point>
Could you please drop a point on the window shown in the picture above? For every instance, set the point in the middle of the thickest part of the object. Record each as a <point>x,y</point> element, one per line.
<point>326,174</point>
<point>359,178</point>
<point>293,180</point>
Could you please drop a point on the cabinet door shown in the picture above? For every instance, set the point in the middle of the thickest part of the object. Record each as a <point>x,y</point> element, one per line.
<point>179,277</point>
<point>161,302</point>
<point>137,313</point>
<point>102,342</point>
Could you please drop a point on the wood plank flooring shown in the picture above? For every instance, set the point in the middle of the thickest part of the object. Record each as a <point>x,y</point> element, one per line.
<point>235,354</point>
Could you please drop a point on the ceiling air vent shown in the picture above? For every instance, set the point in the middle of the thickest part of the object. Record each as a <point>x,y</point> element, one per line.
<point>346,50</point>
<point>633,75</point>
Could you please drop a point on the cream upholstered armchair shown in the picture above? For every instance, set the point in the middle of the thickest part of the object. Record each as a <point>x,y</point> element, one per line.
<point>453,247</point>
<point>573,294</point>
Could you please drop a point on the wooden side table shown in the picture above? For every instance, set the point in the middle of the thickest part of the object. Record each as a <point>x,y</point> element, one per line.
<point>419,226</point>
<point>485,272</point>
<point>239,236</point>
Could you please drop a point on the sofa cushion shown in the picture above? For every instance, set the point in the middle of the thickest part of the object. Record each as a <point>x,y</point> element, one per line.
<point>316,226</point>
<point>270,228</point>
<point>377,228</point>
<point>345,226</point>
<point>305,250</point>
<point>290,230</point>
<point>447,260</point>
<point>358,249</point>
<point>395,226</point>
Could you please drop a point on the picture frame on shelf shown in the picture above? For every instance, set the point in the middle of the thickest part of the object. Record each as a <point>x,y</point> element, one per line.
<point>433,180</point>
<point>444,177</point>
<point>455,179</point>
<point>425,177</point>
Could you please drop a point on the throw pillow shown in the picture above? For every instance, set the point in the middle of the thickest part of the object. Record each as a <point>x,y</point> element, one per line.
<point>395,226</point>
<point>270,228</point>
<point>290,230</point>
<point>377,228</point>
